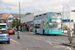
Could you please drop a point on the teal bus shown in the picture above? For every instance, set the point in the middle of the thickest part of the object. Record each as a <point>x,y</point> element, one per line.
<point>48,23</point>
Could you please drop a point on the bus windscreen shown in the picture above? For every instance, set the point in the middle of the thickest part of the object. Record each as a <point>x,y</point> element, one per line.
<point>55,25</point>
<point>2,26</point>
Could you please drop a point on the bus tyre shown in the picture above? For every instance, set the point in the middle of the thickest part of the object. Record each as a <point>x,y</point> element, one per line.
<point>55,34</point>
<point>36,32</point>
<point>8,42</point>
<point>43,32</point>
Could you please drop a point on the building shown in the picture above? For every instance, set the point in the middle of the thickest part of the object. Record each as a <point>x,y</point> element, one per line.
<point>3,18</point>
<point>27,21</point>
<point>13,16</point>
<point>3,15</point>
<point>69,19</point>
<point>28,18</point>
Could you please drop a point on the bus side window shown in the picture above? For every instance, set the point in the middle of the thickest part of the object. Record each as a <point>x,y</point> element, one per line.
<point>37,16</point>
<point>40,15</point>
<point>44,14</point>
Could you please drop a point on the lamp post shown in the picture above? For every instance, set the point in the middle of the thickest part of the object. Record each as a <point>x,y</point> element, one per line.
<point>19,23</point>
<point>19,12</point>
<point>62,16</point>
<point>62,13</point>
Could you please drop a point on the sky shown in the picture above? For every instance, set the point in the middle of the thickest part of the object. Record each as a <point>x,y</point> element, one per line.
<point>36,6</point>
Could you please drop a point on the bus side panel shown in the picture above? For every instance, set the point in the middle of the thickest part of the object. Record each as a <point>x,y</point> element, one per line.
<point>39,31</point>
<point>52,31</point>
<point>47,25</point>
<point>33,29</point>
<point>45,28</point>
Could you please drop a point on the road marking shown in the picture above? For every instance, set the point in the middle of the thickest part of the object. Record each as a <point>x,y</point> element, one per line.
<point>42,38</point>
<point>69,48</point>
<point>27,48</point>
<point>63,47</point>
<point>49,42</point>
<point>14,41</point>
<point>58,40</point>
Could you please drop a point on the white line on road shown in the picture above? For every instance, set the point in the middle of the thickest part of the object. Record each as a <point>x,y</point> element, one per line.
<point>49,42</point>
<point>69,48</point>
<point>14,41</point>
<point>63,47</point>
<point>27,48</point>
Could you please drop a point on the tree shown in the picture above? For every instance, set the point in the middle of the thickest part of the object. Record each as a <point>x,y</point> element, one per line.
<point>27,13</point>
<point>15,22</point>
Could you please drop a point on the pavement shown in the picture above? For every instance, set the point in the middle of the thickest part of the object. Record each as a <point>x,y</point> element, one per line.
<point>65,34</point>
<point>67,43</point>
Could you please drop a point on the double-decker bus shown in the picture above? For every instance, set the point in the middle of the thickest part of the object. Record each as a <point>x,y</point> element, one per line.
<point>48,23</point>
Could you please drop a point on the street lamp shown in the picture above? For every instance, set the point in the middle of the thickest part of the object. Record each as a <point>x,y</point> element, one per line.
<point>19,12</point>
<point>63,13</point>
<point>62,17</point>
<point>20,22</point>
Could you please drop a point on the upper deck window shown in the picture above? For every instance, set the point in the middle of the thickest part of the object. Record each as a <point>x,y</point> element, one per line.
<point>44,14</point>
<point>55,15</point>
<point>37,16</point>
<point>40,15</point>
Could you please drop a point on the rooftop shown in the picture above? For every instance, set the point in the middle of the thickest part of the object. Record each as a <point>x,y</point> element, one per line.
<point>17,15</point>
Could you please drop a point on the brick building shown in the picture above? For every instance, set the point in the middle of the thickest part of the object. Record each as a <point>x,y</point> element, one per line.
<point>3,17</point>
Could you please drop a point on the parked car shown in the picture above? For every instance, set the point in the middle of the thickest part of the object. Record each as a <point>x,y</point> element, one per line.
<point>10,31</point>
<point>4,36</point>
<point>31,29</point>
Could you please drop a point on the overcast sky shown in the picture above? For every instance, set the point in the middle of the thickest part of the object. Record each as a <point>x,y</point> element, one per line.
<point>36,6</point>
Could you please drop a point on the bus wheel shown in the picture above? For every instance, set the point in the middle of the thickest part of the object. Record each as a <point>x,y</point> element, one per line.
<point>43,32</point>
<point>55,34</point>
<point>36,32</point>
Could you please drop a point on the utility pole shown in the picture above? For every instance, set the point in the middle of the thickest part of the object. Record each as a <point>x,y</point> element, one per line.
<point>18,36</point>
<point>19,12</point>
<point>62,17</point>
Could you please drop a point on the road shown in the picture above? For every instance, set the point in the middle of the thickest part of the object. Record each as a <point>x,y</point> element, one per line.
<point>31,41</point>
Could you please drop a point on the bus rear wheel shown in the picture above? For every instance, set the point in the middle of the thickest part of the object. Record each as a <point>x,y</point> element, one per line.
<point>55,34</point>
<point>43,32</point>
<point>36,32</point>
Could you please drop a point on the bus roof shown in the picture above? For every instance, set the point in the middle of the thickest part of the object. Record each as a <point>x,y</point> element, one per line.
<point>47,12</point>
